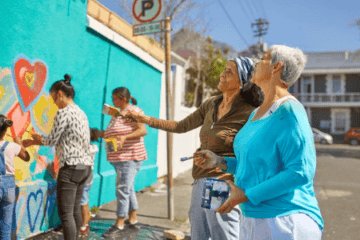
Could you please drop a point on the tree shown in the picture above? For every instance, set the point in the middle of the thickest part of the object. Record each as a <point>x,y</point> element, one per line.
<point>205,77</point>
<point>194,40</point>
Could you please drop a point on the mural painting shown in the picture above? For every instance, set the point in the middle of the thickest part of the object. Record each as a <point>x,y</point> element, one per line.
<point>23,100</point>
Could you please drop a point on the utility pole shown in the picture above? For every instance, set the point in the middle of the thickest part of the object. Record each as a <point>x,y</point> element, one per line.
<point>260,26</point>
<point>169,116</point>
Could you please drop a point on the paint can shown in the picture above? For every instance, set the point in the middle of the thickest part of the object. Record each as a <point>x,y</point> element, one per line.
<point>111,145</point>
<point>214,193</point>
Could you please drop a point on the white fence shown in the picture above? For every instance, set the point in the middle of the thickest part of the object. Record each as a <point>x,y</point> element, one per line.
<point>330,98</point>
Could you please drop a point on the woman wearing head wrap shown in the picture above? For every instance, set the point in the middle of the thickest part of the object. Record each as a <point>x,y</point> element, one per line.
<point>275,158</point>
<point>220,118</point>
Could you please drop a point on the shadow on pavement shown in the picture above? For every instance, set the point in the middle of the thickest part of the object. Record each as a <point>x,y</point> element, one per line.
<point>99,226</point>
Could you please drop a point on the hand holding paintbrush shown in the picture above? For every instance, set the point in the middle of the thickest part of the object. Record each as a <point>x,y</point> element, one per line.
<point>207,159</point>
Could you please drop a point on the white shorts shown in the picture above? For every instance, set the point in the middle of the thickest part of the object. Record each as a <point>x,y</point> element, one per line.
<point>296,226</point>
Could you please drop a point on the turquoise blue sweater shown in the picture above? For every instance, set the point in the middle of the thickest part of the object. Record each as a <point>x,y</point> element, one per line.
<point>275,164</point>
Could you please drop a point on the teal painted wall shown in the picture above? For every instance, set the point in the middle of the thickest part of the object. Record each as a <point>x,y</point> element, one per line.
<point>55,34</point>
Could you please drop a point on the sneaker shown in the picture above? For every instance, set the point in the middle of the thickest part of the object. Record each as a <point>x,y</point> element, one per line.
<point>113,231</point>
<point>134,226</point>
<point>85,231</point>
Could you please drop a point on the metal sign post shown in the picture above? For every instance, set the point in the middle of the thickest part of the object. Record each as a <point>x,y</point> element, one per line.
<point>169,117</point>
<point>145,13</point>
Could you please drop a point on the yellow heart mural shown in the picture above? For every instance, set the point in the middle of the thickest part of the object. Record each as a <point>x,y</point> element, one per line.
<point>44,112</point>
<point>2,92</point>
<point>29,79</point>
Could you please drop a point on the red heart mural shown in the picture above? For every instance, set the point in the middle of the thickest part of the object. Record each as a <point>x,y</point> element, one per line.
<point>29,81</point>
<point>21,120</point>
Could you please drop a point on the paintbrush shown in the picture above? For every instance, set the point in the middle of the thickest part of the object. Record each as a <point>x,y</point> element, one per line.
<point>188,158</point>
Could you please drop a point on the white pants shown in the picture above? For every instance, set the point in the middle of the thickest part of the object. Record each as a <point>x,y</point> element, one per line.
<point>296,226</point>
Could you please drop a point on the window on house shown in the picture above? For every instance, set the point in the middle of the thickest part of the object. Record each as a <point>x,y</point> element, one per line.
<point>352,83</point>
<point>320,84</point>
<point>336,84</point>
<point>340,121</point>
<point>306,85</point>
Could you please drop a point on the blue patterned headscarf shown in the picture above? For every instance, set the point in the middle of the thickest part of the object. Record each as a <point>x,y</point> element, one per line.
<point>244,66</point>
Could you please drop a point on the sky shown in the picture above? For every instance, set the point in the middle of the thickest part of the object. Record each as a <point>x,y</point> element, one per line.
<point>311,25</point>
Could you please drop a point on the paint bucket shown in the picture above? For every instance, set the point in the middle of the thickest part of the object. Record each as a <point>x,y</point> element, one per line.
<point>214,193</point>
<point>111,145</point>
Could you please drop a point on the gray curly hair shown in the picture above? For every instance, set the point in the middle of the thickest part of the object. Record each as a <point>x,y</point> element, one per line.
<point>293,60</point>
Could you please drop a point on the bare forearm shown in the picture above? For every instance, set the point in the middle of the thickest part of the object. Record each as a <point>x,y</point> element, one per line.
<point>137,133</point>
<point>101,134</point>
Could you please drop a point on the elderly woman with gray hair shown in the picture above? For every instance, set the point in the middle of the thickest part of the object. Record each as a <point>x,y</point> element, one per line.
<point>275,158</point>
<point>220,118</point>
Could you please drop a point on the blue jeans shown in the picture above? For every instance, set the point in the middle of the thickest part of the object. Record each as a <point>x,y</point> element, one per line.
<point>206,223</point>
<point>85,196</point>
<point>125,192</point>
<point>7,203</point>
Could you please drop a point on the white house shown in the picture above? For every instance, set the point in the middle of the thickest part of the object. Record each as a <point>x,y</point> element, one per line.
<point>329,89</point>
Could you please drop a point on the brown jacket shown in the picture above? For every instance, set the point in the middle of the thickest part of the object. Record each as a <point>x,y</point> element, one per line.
<point>215,135</point>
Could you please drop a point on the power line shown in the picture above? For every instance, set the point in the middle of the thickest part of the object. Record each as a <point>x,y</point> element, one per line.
<point>227,14</point>
<point>256,5</point>
<point>242,7</point>
<point>253,4</point>
<point>248,6</point>
<point>262,8</point>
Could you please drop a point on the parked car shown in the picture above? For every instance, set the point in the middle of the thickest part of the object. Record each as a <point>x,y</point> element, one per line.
<point>353,136</point>
<point>321,137</point>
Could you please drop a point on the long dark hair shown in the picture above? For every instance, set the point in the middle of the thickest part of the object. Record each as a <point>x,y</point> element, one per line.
<point>122,92</point>
<point>252,94</point>
<point>4,124</point>
<point>64,86</point>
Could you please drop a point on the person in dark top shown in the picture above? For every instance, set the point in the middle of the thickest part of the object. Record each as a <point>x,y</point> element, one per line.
<point>220,118</point>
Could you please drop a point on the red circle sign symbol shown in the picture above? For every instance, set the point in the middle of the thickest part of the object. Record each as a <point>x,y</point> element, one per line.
<point>138,11</point>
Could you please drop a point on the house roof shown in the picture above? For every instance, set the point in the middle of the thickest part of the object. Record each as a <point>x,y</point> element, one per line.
<point>329,60</point>
<point>186,53</point>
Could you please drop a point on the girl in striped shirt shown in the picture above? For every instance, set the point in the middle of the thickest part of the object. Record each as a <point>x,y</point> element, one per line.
<point>127,160</point>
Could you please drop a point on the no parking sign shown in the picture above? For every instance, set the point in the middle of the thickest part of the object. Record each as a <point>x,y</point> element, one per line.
<point>146,11</point>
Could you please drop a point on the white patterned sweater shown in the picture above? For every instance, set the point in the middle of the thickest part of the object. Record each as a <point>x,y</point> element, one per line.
<point>70,135</point>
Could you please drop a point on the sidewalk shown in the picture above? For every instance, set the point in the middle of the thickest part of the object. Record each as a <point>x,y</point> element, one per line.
<point>152,214</point>
<point>338,150</point>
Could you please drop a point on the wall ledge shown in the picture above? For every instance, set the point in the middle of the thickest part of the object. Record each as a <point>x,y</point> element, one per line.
<point>124,43</point>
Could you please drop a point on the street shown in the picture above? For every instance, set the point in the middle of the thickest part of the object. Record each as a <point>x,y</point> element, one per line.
<point>337,186</point>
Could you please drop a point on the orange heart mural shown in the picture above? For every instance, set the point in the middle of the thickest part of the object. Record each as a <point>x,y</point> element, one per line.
<point>29,80</point>
<point>21,120</point>
<point>43,113</point>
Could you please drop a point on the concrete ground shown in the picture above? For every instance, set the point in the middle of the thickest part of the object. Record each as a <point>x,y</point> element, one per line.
<point>152,214</point>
